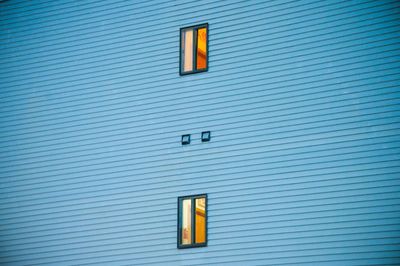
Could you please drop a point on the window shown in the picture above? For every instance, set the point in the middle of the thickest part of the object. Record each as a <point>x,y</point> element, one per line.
<point>192,221</point>
<point>194,49</point>
<point>205,136</point>
<point>185,139</point>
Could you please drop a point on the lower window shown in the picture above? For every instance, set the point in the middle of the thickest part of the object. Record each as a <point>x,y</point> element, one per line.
<point>192,221</point>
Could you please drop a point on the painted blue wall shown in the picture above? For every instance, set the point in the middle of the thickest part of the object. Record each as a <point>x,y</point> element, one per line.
<point>301,97</point>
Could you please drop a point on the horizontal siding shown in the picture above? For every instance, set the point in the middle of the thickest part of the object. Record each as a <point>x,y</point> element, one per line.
<point>301,98</point>
<point>277,29</point>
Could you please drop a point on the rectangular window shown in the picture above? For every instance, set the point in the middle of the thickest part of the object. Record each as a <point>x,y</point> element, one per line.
<point>192,221</point>
<point>194,49</point>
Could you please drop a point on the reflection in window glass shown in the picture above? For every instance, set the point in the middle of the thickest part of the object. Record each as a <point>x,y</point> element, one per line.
<point>200,220</point>
<point>201,48</point>
<point>187,46</point>
<point>186,222</point>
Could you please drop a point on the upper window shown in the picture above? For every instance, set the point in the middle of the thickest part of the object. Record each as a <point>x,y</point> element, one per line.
<point>192,221</point>
<point>194,49</point>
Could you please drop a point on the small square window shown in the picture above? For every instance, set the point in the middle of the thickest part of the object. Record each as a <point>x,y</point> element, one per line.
<point>194,49</point>
<point>192,221</point>
<point>205,136</point>
<point>185,139</point>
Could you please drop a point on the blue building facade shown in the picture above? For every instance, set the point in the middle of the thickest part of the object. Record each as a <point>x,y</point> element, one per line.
<point>301,99</point>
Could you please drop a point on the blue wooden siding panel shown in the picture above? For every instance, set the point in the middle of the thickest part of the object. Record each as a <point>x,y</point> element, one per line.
<point>301,98</point>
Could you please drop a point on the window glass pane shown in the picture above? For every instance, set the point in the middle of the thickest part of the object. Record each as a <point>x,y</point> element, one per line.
<point>200,220</point>
<point>187,48</point>
<point>186,221</point>
<point>201,48</point>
